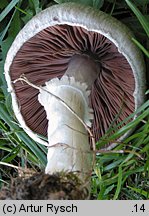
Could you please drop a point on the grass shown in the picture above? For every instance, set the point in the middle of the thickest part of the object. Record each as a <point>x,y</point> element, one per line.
<point>119,174</point>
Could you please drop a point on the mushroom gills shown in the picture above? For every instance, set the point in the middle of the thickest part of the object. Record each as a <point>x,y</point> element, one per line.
<point>41,60</point>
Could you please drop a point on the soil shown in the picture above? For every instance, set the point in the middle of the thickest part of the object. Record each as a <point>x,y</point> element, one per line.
<point>41,186</point>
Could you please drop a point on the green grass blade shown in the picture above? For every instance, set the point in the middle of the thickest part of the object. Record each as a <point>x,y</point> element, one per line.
<point>144,22</point>
<point>119,183</point>
<point>8,9</point>
<point>146,52</point>
<point>22,11</point>
<point>140,191</point>
<point>23,136</point>
<point>36,5</point>
<point>11,155</point>
<point>6,29</point>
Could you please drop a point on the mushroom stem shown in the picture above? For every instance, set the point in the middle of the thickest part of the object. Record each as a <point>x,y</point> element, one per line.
<point>69,148</point>
<point>84,69</point>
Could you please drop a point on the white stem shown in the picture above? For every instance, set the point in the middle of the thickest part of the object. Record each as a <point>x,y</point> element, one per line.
<point>69,148</point>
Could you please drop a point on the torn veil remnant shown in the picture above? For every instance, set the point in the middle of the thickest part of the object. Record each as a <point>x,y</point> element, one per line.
<point>86,58</point>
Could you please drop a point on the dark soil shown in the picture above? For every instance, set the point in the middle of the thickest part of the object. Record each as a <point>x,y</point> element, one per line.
<point>40,186</point>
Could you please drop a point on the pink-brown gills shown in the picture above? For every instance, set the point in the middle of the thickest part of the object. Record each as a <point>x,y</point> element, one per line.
<point>47,55</point>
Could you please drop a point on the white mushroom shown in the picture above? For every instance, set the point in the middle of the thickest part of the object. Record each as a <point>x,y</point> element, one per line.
<point>98,68</point>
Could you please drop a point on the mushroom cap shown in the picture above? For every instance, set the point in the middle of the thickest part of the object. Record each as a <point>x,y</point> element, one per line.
<point>45,46</point>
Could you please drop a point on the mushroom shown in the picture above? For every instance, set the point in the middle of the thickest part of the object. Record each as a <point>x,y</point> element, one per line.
<point>86,59</point>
